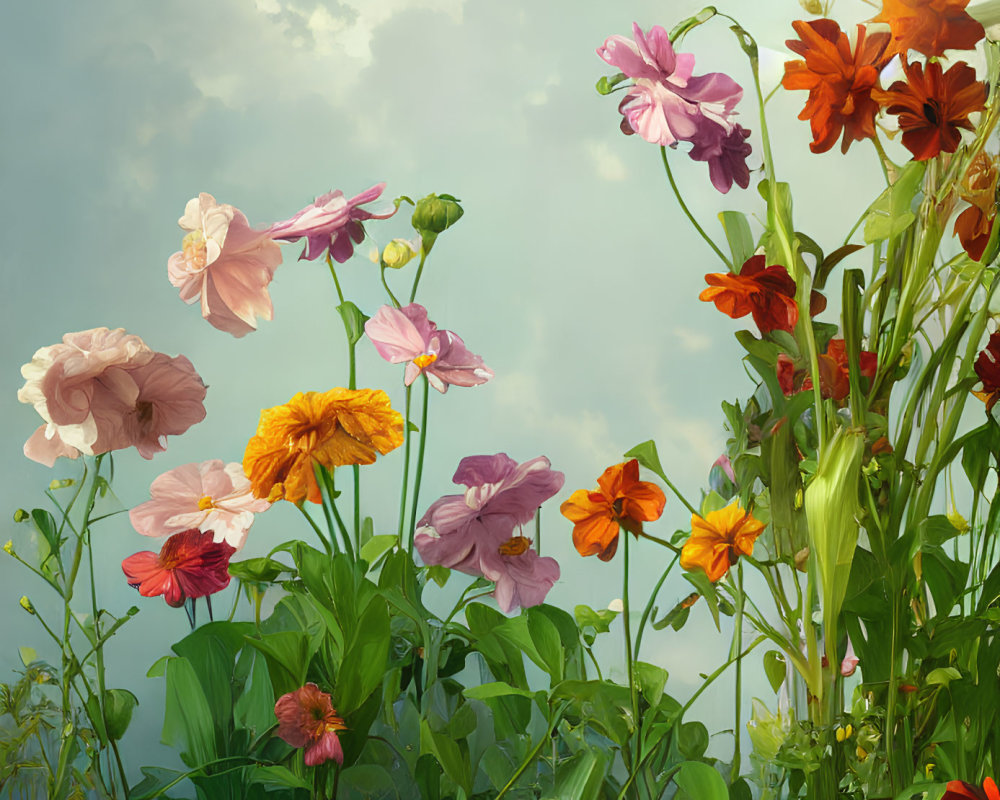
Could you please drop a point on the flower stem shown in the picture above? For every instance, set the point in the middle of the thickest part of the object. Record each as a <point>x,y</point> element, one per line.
<point>687,211</point>
<point>392,297</point>
<point>420,463</point>
<point>649,603</point>
<point>333,272</point>
<point>534,751</point>
<point>406,470</point>
<point>420,271</point>
<point>628,646</point>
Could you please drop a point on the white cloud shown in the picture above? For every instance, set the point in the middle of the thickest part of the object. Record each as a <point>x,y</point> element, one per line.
<point>606,162</point>
<point>693,341</point>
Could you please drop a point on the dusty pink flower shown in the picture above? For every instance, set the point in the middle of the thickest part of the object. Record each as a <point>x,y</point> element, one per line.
<point>210,496</point>
<point>850,662</point>
<point>102,390</point>
<point>307,718</point>
<point>189,564</point>
<point>330,223</point>
<point>225,262</point>
<point>474,532</point>
<point>405,334</point>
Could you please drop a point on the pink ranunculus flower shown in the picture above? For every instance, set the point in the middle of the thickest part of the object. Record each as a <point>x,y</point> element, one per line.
<point>330,223</point>
<point>226,263</point>
<point>102,390</point>
<point>474,532</point>
<point>210,496</point>
<point>406,335</point>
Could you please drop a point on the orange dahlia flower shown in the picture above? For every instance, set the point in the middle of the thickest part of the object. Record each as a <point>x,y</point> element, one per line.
<point>930,26</point>
<point>979,190</point>
<point>334,428</point>
<point>719,539</point>
<point>839,81</point>
<point>621,500</point>
<point>932,105</point>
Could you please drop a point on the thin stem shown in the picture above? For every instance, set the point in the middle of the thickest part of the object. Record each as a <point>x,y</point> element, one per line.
<point>737,645</point>
<point>333,272</point>
<point>628,643</point>
<point>420,463</point>
<point>392,297</point>
<point>406,470</point>
<point>659,541</point>
<point>420,271</point>
<point>534,751</point>
<point>649,603</point>
<point>689,215</point>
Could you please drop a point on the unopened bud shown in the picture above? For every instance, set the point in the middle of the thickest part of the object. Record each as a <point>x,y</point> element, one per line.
<point>9,547</point>
<point>841,734</point>
<point>812,6</point>
<point>398,253</point>
<point>26,604</point>
<point>436,213</point>
<point>61,483</point>
<point>21,515</point>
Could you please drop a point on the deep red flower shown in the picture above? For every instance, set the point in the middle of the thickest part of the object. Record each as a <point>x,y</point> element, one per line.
<point>930,26</point>
<point>306,718</point>
<point>979,190</point>
<point>839,81</point>
<point>987,367</point>
<point>960,790</point>
<point>834,374</point>
<point>932,106</point>
<point>190,564</point>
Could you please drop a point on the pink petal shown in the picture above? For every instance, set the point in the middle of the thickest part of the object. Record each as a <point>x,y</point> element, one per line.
<point>395,336</point>
<point>327,748</point>
<point>46,450</point>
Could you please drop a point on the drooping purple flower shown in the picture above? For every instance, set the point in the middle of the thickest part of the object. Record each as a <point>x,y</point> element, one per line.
<point>407,335</point>
<point>330,224</point>
<point>726,154</point>
<point>474,532</point>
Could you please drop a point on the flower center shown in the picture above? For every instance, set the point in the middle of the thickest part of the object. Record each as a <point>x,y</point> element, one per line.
<point>514,546</point>
<point>425,360</point>
<point>144,413</point>
<point>195,250</point>
<point>305,441</point>
<point>930,112</point>
<point>205,503</point>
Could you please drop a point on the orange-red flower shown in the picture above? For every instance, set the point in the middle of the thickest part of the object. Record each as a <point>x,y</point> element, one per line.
<point>987,367</point>
<point>839,81</point>
<point>979,189</point>
<point>960,790</point>
<point>341,426</point>
<point>306,718</point>
<point>719,539</point>
<point>930,26</point>
<point>834,374</point>
<point>932,106</point>
<point>190,564</point>
<point>622,500</point>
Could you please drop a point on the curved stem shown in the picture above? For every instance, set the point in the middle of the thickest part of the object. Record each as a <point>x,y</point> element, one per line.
<point>420,463</point>
<point>687,211</point>
<point>534,751</point>
<point>649,603</point>
<point>333,272</point>
<point>392,297</point>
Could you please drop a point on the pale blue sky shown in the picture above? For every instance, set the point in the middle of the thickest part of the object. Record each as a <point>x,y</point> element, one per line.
<point>572,273</point>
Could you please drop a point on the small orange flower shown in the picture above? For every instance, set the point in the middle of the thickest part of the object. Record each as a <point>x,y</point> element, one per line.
<point>930,26</point>
<point>719,539</point>
<point>622,500</point>
<point>979,190</point>
<point>933,105</point>
<point>341,426</point>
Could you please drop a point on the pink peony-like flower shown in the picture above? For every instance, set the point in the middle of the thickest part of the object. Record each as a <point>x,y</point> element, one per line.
<point>474,532</point>
<point>405,334</point>
<point>102,390</point>
<point>307,718</point>
<point>726,154</point>
<point>190,564</point>
<point>225,262</point>
<point>211,496</point>
<point>330,223</point>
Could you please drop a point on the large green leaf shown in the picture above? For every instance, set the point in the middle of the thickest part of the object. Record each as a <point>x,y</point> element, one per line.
<point>891,213</point>
<point>187,719</point>
<point>699,781</point>
<point>547,641</point>
<point>366,657</point>
<point>453,756</point>
<point>738,235</point>
<point>582,776</point>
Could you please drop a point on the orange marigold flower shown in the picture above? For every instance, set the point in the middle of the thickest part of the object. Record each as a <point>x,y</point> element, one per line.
<point>930,26</point>
<point>839,81</point>
<point>932,106</point>
<point>341,426</point>
<point>719,539</point>
<point>987,367</point>
<point>979,189</point>
<point>622,500</point>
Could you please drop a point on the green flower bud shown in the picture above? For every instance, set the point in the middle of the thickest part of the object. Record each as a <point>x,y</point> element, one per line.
<point>9,547</point>
<point>26,604</point>
<point>21,515</point>
<point>398,253</point>
<point>63,483</point>
<point>435,214</point>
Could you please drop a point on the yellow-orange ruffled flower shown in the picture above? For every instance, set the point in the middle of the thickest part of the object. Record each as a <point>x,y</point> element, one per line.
<point>334,428</point>
<point>719,539</point>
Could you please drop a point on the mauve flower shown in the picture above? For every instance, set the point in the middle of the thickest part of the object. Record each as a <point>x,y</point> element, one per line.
<point>225,262</point>
<point>102,390</point>
<point>474,532</point>
<point>405,334</point>
<point>330,223</point>
<point>211,496</point>
<point>307,718</point>
<point>190,564</point>
<point>850,662</point>
<point>726,154</point>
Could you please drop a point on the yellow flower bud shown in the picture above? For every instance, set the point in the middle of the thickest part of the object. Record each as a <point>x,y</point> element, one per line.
<point>21,515</point>
<point>862,753</point>
<point>812,6</point>
<point>929,771</point>
<point>26,604</point>
<point>63,483</point>
<point>9,547</point>
<point>848,731</point>
<point>398,253</point>
<point>841,734</point>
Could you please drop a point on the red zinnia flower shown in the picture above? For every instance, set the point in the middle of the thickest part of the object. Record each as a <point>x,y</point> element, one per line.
<point>987,367</point>
<point>834,375</point>
<point>960,790</point>
<point>930,26</point>
<point>839,81</point>
<point>307,719</point>
<point>190,564</point>
<point>932,106</point>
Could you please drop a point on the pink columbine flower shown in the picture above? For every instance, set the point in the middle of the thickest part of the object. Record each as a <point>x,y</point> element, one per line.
<point>226,263</point>
<point>474,532</point>
<point>405,334</point>
<point>211,496</point>
<point>189,565</point>
<point>307,718</point>
<point>330,223</point>
<point>102,390</point>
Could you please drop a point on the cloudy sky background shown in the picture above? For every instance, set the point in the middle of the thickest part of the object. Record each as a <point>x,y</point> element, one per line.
<point>573,271</point>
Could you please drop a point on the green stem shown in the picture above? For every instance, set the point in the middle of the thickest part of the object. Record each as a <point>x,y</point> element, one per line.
<point>333,273</point>
<point>392,297</point>
<point>734,772</point>
<point>629,661</point>
<point>688,214</point>
<point>420,463</point>
<point>649,603</point>
<point>420,271</point>
<point>315,527</point>
<point>406,470</point>
<point>534,751</point>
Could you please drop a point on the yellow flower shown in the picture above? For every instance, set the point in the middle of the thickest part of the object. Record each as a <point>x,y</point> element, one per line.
<point>719,539</point>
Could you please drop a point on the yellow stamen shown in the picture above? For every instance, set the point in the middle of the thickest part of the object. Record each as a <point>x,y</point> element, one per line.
<point>195,251</point>
<point>425,360</point>
<point>514,546</point>
<point>205,503</point>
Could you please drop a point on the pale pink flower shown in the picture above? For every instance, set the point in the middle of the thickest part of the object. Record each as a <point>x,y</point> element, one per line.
<point>330,223</point>
<point>474,532</point>
<point>406,335</point>
<point>307,718</point>
<point>102,390</point>
<point>225,262</point>
<point>850,662</point>
<point>211,496</point>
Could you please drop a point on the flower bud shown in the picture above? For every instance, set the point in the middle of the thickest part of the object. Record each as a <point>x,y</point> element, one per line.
<point>812,7</point>
<point>435,214</point>
<point>26,604</point>
<point>398,253</point>
<point>21,515</point>
<point>9,547</point>
<point>63,483</point>
<point>841,734</point>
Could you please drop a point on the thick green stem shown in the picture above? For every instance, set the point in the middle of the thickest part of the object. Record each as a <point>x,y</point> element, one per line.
<point>629,659</point>
<point>406,469</point>
<point>734,771</point>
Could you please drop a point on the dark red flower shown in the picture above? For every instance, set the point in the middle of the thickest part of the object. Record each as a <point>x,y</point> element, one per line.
<point>834,374</point>
<point>987,367</point>
<point>839,81</point>
<point>979,190</point>
<point>960,790</point>
<point>932,106</point>
<point>306,718</point>
<point>190,564</point>
<point>930,26</point>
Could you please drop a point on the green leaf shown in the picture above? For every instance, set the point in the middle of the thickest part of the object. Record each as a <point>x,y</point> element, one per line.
<point>942,676</point>
<point>46,525</point>
<point>698,781</point>
<point>187,718</point>
<point>118,707</point>
<point>495,689</point>
<point>738,234</point>
<point>454,759</point>
<point>367,530</point>
<point>548,643</point>
<point>287,654</point>
<point>651,680</point>
<point>27,654</point>
<point>254,708</point>
<point>774,668</point>
<point>891,213</point>
<point>354,321</point>
<point>809,245</point>
<point>365,659</point>
<point>276,776</point>
<point>257,570</point>
<point>980,451</point>
<point>600,621</point>
<point>645,453</point>
<point>369,781</point>
<point>159,668</point>
<point>834,258</point>
<point>706,589</point>
<point>582,776</point>
<point>376,546</point>
<point>438,574</point>
<point>692,739</point>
